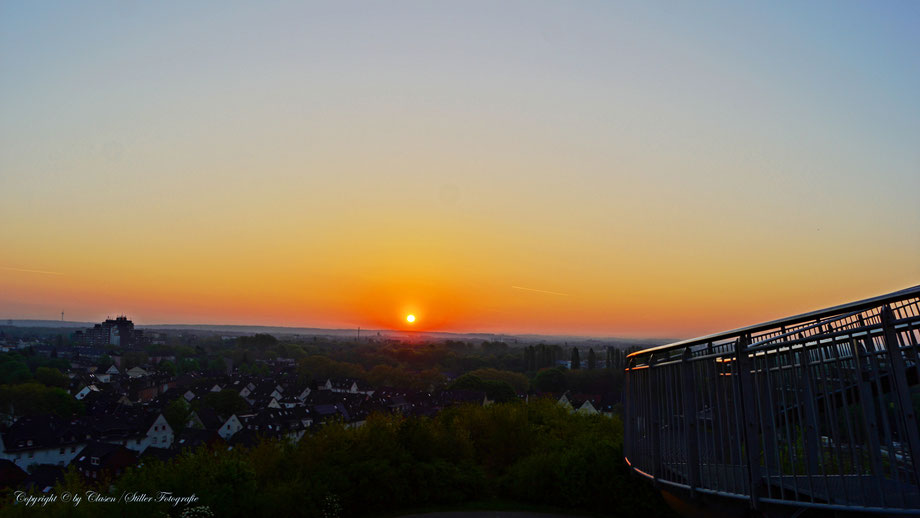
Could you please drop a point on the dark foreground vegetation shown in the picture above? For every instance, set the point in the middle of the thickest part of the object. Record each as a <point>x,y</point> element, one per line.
<point>535,453</point>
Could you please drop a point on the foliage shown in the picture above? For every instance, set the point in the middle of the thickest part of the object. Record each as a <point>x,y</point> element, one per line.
<point>321,368</point>
<point>217,365</point>
<point>535,453</point>
<point>499,391</point>
<point>390,376</point>
<point>516,380</point>
<point>133,359</point>
<point>19,368</point>
<point>189,365</point>
<point>550,380</point>
<point>167,367</point>
<point>257,369</point>
<point>259,341</point>
<point>51,377</point>
<point>226,402</point>
<point>34,399</point>
<point>14,369</point>
<point>177,414</point>
<point>598,381</point>
<point>105,361</point>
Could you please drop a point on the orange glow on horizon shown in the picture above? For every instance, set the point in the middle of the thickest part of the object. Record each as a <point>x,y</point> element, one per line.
<point>224,294</point>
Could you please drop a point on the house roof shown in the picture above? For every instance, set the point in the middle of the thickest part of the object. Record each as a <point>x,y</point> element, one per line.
<point>123,423</point>
<point>44,477</point>
<point>346,383</point>
<point>104,452</point>
<point>162,454</point>
<point>209,418</point>
<point>277,421</point>
<point>326,411</point>
<point>43,431</point>
<point>194,438</point>
<point>11,474</point>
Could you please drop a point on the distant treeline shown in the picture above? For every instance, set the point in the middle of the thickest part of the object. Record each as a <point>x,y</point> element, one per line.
<point>537,454</point>
<point>31,384</point>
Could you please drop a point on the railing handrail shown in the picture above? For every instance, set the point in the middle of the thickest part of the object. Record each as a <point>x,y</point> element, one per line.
<point>797,319</point>
<point>817,410</point>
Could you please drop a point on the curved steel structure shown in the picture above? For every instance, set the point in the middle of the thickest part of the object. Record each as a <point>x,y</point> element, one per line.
<point>816,410</point>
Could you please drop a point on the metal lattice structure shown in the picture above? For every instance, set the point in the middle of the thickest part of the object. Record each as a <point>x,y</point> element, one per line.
<point>816,410</point>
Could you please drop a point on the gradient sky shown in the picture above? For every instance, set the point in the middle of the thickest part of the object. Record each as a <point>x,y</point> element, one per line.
<point>597,168</point>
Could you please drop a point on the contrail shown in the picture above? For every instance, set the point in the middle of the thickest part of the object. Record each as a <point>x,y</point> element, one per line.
<point>542,291</point>
<point>29,271</point>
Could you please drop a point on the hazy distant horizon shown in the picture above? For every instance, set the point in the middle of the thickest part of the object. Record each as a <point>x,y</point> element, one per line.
<point>300,330</point>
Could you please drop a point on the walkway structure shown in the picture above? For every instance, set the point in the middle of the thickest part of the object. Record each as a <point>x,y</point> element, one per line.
<point>813,411</point>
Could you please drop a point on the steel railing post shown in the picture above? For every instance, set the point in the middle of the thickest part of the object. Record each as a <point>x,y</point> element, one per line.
<point>898,371</point>
<point>750,430</point>
<point>688,394</point>
<point>654,418</point>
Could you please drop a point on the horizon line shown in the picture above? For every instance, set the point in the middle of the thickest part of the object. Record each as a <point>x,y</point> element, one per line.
<point>343,329</point>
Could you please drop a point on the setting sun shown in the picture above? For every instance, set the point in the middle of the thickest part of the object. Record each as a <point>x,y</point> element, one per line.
<point>410,318</point>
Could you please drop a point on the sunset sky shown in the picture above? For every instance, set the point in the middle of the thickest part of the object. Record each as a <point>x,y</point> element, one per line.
<point>661,169</point>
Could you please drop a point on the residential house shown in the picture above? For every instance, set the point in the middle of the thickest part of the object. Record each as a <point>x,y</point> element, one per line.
<point>206,418</point>
<point>99,460</point>
<point>43,439</point>
<point>351,386</point>
<point>137,372</point>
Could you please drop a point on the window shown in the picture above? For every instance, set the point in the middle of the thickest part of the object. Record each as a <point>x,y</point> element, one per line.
<point>31,454</point>
<point>62,451</point>
<point>29,442</point>
<point>154,440</point>
<point>94,461</point>
<point>73,449</point>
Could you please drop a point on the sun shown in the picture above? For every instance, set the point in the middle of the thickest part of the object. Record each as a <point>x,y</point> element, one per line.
<point>410,318</point>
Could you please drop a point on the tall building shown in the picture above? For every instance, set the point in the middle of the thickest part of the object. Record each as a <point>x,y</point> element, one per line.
<point>119,332</point>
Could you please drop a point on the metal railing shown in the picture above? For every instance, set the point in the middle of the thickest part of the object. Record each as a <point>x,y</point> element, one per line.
<point>817,410</point>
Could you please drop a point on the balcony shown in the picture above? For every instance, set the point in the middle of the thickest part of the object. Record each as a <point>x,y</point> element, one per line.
<point>812,411</point>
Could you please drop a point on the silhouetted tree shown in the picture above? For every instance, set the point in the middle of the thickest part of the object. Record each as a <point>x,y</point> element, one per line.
<point>259,341</point>
<point>167,367</point>
<point>51,377</point>
<point>176,414</point>
<point>550,380</point>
